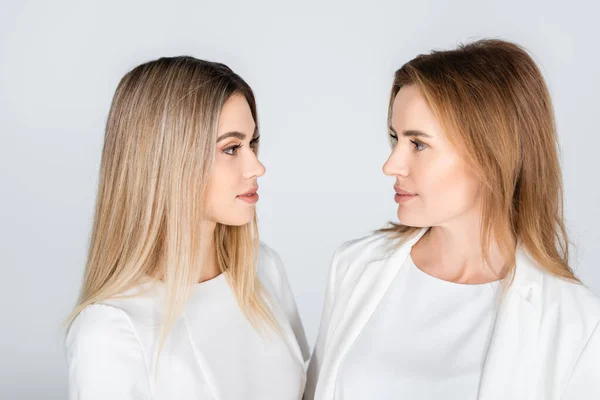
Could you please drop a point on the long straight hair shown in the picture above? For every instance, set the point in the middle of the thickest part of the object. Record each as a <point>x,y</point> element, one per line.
<point>493,103</point>
<point>157,160</point>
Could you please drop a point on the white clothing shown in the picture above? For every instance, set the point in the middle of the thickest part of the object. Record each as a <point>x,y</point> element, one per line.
<point>212,352</point>
<point>426,340</point>
<point>545,344</point>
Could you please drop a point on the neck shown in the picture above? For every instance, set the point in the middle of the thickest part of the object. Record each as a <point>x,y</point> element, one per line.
<point>210,268</point>
<point>453,252</point>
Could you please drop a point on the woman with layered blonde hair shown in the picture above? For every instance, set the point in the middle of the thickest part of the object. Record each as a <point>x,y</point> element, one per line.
<point>471,294</point>
<point>180,300</point>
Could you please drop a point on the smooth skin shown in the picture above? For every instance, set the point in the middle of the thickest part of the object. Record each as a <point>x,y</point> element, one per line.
<point>447,194</point>
<point>235,172</point>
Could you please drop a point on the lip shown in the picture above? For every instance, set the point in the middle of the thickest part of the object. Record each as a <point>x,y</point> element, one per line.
<point>250,197</point>
<point>402,196</point>
<point>250,192</point>
<point>403,192</point>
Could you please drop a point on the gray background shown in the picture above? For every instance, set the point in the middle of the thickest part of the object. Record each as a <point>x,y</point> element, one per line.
<point>322,73</point>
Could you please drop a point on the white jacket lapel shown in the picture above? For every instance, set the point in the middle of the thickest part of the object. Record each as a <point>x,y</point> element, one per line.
<point>511,361</point>
<point>375,279</point>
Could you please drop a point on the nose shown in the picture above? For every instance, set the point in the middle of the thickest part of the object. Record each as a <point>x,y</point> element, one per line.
<point>254,168</point>
<point>395,165</point>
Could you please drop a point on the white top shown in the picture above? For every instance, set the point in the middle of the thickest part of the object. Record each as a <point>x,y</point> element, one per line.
<point>213,352</point>
<point>546,339</point>
<point>426,340</point>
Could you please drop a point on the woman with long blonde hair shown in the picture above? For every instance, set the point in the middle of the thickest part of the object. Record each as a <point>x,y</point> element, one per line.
<point>180,300</point>
<point>470,295</point>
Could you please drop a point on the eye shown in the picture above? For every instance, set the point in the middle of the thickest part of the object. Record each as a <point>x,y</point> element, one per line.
<point>418,145</point>
<point>232,149</point>
<point>393,139</point>
<point>254,143</point>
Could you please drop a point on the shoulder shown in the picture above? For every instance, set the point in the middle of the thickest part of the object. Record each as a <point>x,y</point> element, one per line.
<point>268,258</point>
<point>98,324</point>
<point>375,246</point>
<point>566,300</point>
<point>574,301</point>
<point>569,311</point>
<point>118,321</point>
<point>102,335</point>
<point>270,269</point>
<point>142,304</point>
<point>362,252</point>
<point>571,302</point>
<point>104,355</point>
<point>572,312</point>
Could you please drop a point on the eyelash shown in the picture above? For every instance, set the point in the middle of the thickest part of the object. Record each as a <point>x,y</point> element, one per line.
<point>234,149</point>
<point>415,142</point>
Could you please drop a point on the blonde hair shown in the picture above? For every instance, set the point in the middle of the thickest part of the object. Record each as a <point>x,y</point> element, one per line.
<point>494,104</point>
<point>156,165</point>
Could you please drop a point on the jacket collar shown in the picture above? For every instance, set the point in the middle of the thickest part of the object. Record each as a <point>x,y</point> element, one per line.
<point>375,279</point>
<point>509,361</point>
<point>527,278</point>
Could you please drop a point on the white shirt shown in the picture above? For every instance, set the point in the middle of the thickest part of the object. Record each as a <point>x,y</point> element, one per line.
<point>427,339</point>
<point>212,353</point>
<point>546,339</point>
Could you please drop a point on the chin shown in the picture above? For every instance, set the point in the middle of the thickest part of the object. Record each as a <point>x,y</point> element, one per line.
<point>237,220</point>
<point>241,223</point>
<point>412,220</point>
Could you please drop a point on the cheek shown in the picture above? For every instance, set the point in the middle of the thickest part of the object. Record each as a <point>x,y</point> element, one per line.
<point>225,177</point>
<point>454,188</point>
<point>447,189</point>
<point>222,206</point>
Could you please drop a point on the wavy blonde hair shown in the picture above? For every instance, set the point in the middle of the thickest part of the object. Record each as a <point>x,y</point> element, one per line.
<point>157,159</point>
<point>494,104</point>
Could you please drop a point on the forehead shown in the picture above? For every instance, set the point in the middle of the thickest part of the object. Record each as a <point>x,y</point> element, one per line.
<point>410,111</point>
<point>236,116</point>
<point>410,106</point>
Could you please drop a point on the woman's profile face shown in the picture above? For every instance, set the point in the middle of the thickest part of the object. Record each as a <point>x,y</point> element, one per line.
<point>236,168</point>
<point>434,184</point>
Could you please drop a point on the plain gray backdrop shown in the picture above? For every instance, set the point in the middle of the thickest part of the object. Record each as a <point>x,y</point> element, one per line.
<point>321,72</point>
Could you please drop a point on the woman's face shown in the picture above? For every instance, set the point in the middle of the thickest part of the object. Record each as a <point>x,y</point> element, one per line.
<point>434,185</point>
<point>232,193</point>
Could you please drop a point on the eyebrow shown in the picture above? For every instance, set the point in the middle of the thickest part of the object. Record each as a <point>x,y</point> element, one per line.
<point>236,134</point>
<point>410,133</point>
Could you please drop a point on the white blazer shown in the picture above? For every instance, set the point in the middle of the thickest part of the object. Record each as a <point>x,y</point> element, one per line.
<point>111,347</point>
<point>545,344</point>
